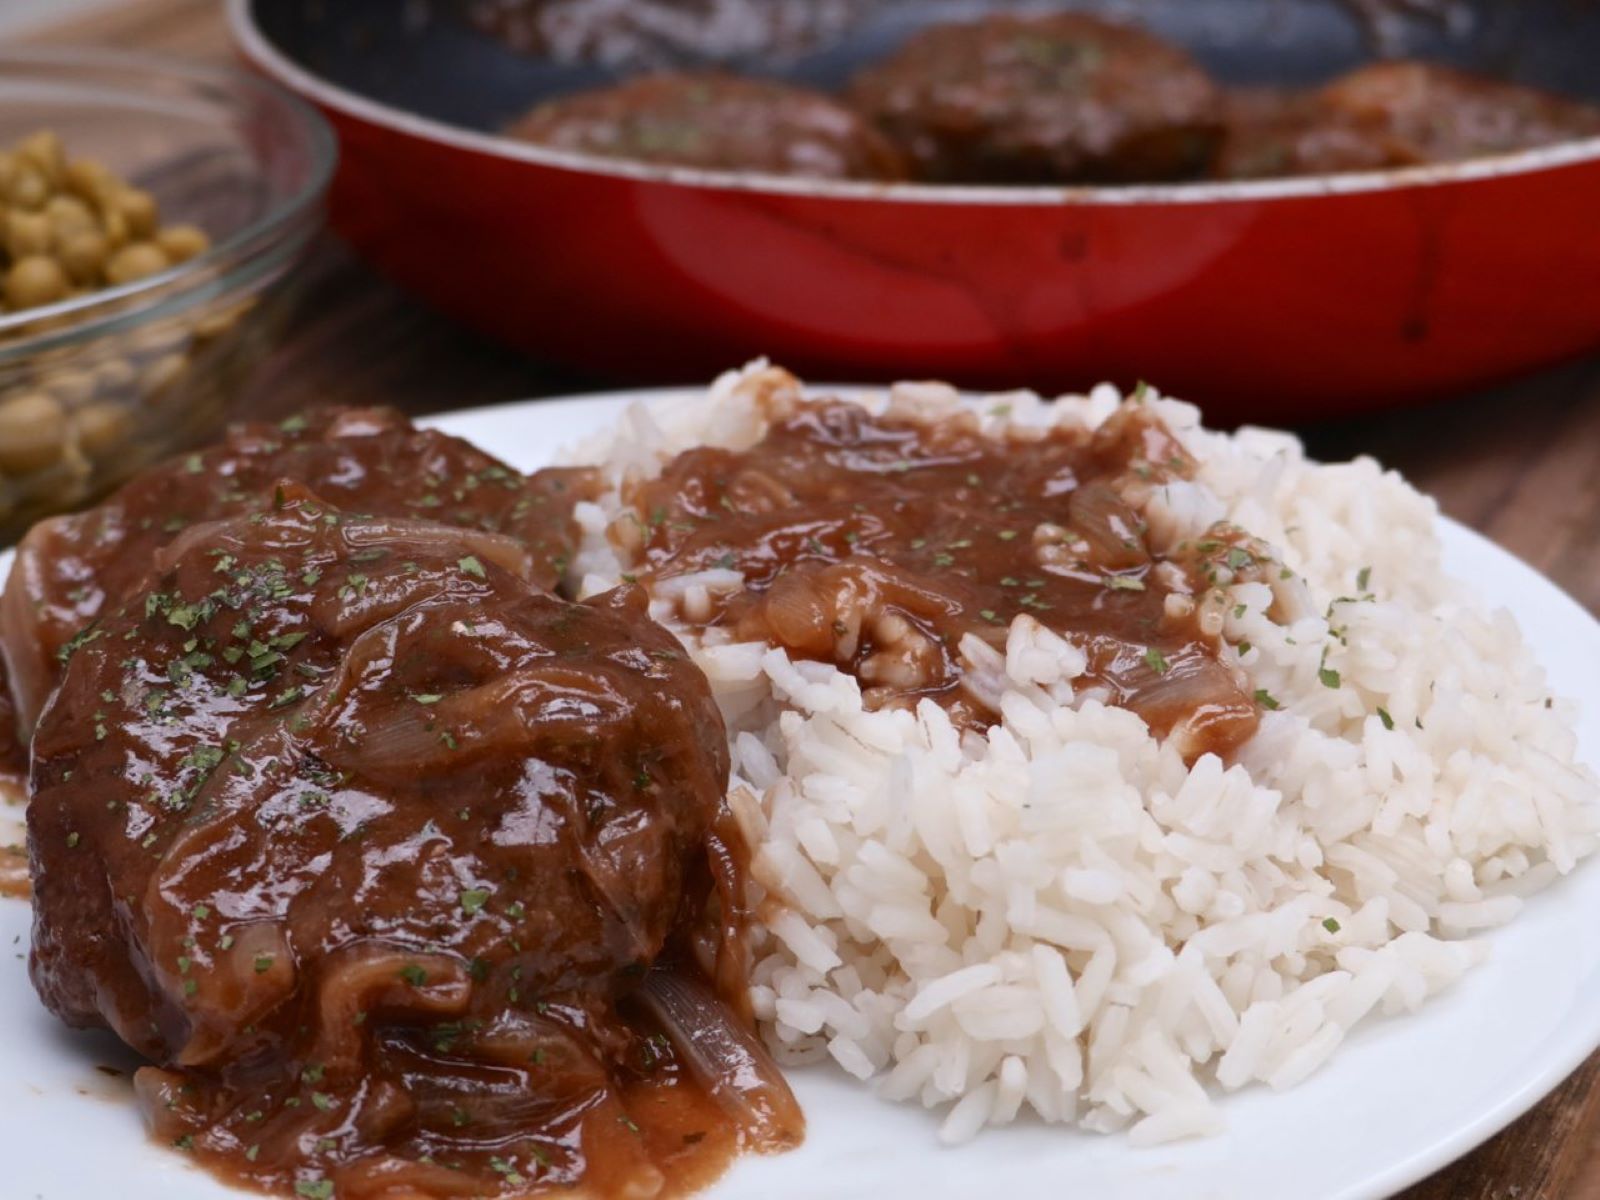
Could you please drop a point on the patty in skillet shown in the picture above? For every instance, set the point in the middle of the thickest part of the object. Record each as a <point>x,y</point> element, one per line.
<point>1394,114</point>
<point>716,122</point>
<point>1043,99</point>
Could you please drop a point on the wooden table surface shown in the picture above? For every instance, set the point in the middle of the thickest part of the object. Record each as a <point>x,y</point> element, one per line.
<point>1520,463</point>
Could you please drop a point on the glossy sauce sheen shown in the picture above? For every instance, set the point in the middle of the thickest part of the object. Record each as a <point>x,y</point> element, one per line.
<point>369,844</point>
<point>366,460</point>
<point>879,542</point>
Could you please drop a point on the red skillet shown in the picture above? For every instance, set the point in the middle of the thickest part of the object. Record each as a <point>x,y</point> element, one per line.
<point>1280,300</point>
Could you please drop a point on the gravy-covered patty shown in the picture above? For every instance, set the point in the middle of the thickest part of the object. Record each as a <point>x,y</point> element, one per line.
<point>404,873</point>
<point>1044,99</point>
<point>1276,132</point>
<point>1394,114</point>
<point>716,122</point>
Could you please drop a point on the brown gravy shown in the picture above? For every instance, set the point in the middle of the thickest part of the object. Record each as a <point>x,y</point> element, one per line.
<point>880,542</point>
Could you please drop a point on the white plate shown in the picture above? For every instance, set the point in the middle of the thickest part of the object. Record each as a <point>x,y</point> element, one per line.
<point>1400,1099</point>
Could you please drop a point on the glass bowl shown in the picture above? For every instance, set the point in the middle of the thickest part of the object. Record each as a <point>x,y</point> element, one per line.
<point>94,387</point>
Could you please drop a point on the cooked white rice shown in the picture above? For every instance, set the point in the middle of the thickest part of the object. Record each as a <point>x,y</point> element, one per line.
<point>1060,914</point>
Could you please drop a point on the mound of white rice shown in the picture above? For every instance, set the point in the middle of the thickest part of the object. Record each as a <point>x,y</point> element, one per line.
<point>1062,914</point>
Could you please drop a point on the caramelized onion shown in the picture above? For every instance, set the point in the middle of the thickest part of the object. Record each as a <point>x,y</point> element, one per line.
<point>407,538</point>
<point>1111,527</point>
<point>759,491</point>
<point>1195,700</point>
<point>801,615</point>
<point>24,608</point>
<point>725,1059</point>
<point>724,951</point>
<point>164,1101</point>
<point>368,978</point>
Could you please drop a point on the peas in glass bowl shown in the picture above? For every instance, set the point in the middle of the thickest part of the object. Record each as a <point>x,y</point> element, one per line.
<point>152,214</point>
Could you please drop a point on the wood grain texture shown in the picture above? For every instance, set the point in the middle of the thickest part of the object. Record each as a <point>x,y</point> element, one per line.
<point>1520,463</point>
<point>191,27</point>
